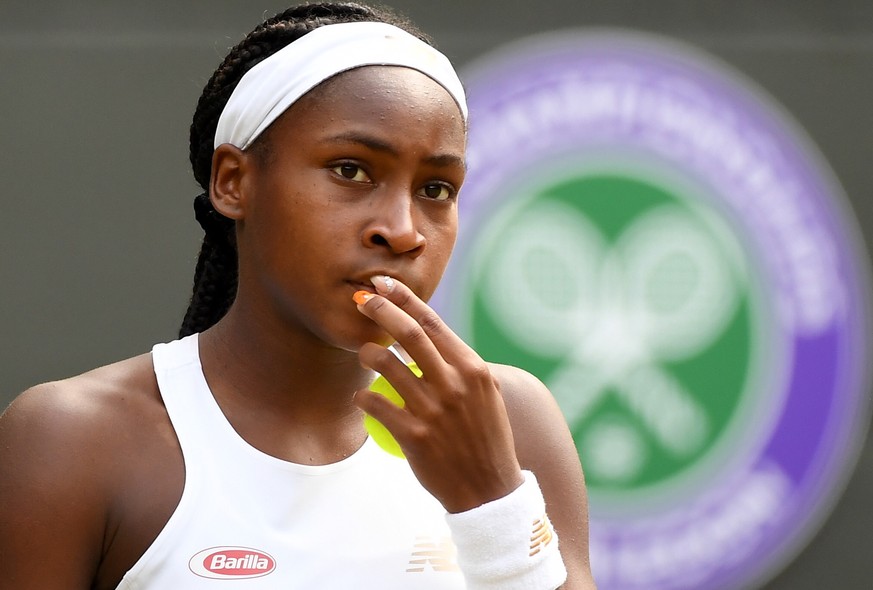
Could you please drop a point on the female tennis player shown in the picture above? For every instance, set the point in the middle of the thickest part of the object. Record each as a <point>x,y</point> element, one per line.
<point>330,146</point>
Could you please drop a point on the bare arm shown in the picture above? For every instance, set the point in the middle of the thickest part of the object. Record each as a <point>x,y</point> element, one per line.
<point>544,445</point>
<point>52,512</point>
<point>90,472</point>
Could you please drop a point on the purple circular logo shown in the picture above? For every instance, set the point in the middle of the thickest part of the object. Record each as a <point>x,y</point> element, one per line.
<point>660,243</point>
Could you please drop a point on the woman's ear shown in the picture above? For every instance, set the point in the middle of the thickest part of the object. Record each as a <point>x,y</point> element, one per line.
<point>226,185</point>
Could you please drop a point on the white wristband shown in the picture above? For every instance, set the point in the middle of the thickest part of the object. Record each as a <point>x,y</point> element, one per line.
<point>509,544</point>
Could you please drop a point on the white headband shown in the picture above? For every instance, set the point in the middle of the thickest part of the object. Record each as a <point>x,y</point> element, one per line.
<point>273,85</point>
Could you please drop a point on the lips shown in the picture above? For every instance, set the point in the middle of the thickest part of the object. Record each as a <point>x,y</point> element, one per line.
<point>362,286</point>
<point>363,283</point>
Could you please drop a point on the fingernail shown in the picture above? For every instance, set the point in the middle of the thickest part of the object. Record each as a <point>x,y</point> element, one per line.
<point>361,297</point>
<point>384,284</point>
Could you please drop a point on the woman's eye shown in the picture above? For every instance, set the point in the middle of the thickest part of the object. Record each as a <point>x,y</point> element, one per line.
<point>437,192</point>
<point>351,172</point>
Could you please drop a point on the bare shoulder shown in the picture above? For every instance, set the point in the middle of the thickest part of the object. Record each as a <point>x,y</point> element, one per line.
<point>545,446</point>
<point>538,424</point>
<point>66,450</point>
<point>82,412</point>
<point>79,396</point>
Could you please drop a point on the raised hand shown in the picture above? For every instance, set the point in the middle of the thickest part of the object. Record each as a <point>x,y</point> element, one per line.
<point>454,428</point>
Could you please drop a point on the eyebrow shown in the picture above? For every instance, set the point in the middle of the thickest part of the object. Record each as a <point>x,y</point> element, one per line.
<point>378,145</point>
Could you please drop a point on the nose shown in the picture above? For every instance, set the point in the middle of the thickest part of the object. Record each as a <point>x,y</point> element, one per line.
<point>395,226</point>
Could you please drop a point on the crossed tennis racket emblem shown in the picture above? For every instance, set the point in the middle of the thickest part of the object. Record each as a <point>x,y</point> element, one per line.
<point>663,290</point>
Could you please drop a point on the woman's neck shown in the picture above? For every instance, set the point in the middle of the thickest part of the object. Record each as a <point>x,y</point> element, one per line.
<point>284,391</point>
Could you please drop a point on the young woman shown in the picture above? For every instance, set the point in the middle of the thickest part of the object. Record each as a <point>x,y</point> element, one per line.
<point>330,146</point>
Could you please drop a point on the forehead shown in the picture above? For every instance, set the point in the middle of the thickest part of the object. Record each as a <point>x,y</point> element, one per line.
<point>384,80</point>
<point>379,94</point>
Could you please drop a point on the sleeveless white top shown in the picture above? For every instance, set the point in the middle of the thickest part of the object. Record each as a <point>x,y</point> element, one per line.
<point>249,520</point>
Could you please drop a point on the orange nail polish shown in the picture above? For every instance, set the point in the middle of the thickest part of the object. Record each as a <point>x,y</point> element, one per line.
<point>361,297</point>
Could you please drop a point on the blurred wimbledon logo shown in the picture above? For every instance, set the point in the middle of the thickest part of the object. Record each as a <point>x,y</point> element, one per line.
<point>659,242</point>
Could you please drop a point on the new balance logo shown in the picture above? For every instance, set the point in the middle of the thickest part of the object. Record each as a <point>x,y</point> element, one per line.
<point>436,554</point>
<point>542,535</point>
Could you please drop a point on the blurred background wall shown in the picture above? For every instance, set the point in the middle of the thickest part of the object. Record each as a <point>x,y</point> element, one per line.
<point>98,238</point>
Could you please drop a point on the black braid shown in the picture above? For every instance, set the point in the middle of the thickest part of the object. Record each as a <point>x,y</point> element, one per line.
<point>215,276</point>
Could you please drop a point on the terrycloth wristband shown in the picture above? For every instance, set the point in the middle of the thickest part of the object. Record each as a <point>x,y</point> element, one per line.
<point>509,544</point>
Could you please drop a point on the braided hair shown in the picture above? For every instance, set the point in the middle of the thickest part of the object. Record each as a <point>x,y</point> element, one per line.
<point>216,272</point>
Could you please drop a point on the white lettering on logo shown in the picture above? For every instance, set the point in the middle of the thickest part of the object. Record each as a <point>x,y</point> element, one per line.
<point>221,563</point>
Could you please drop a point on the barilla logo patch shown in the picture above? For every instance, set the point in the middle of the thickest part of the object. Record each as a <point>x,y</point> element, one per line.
<point>232,563</point>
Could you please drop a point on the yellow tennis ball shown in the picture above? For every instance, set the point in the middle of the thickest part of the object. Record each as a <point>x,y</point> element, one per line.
<point>376,430</point>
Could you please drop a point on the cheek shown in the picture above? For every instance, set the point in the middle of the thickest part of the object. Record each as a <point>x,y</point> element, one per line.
<point>449,230</point>
<point>442,242</point>
<point>282,210</point>
<point>448,245</point>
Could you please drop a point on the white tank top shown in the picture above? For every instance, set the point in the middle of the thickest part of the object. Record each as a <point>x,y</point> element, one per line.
<point>249,520</point>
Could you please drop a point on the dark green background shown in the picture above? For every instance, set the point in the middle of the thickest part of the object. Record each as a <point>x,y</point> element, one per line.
<point>612,203</point>
<point>97,236</point>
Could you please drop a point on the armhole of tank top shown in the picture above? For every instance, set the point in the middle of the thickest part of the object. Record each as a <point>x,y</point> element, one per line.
<point>159,549</point>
